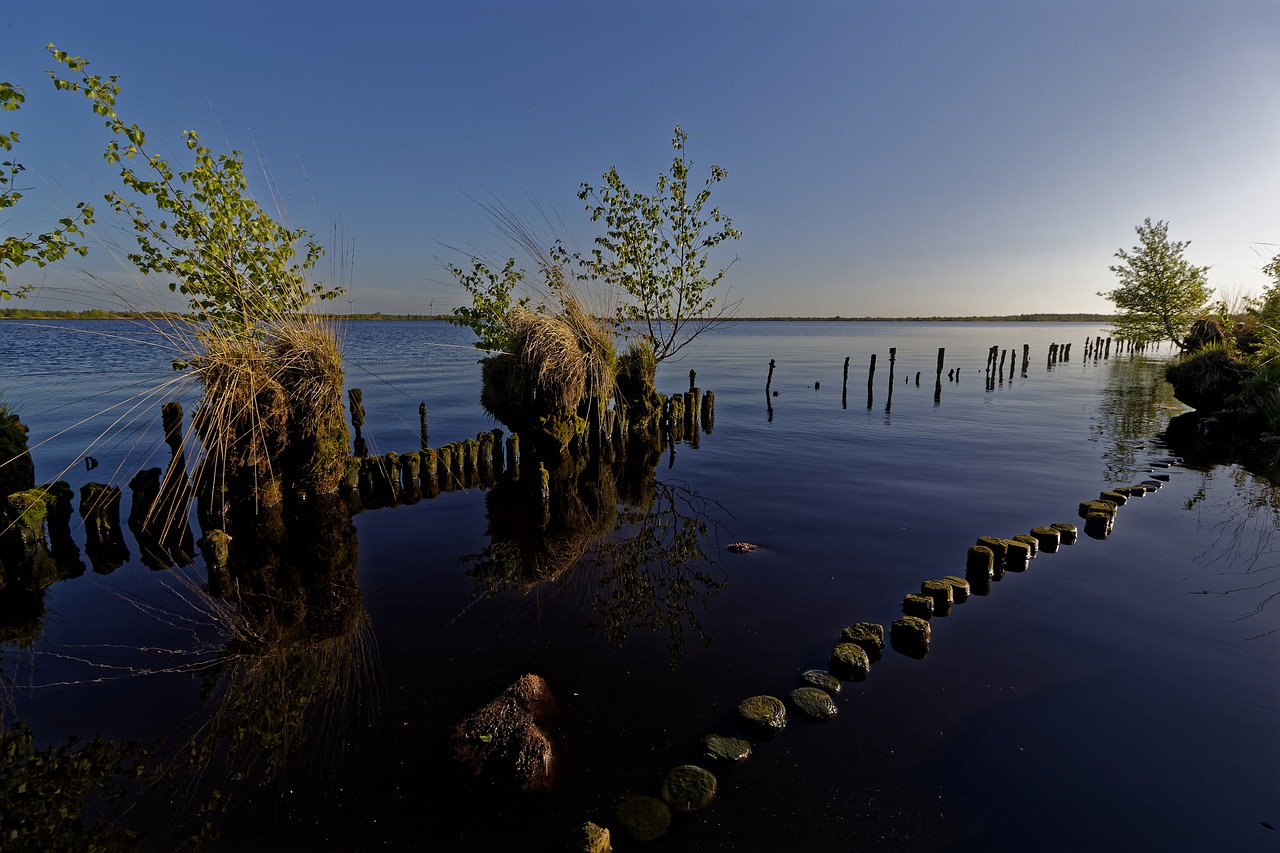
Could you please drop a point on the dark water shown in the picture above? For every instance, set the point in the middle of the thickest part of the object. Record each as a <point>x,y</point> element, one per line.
<point>1119,693</point>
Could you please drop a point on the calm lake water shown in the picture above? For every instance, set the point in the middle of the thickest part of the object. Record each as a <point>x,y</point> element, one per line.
<point>1118,694</point>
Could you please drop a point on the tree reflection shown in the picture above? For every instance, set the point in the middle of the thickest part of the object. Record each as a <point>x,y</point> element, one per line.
<point>299,663</point>
<point>1136,403</point>
<point>651,541</point>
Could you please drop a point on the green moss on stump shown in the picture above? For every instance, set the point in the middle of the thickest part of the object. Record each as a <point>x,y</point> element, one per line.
<point>1017,555</point>
<point>869,635</point>
<point>643,817</point>
<point>1115,497</point>
<point>821,680</point>
<point>1098,525</point>
<point>689,788</point>
<point>26,511</point>
<point>909,635</point>
<point>766,714</point>
<point>1033,544</point>
<point>996,545</point>
<point>920,606</point>
<point>590,838</point>
<point>813,703</point>
<point>1104,506</point>
<point>1048,538</point>
<point>725,749</point>
<point>979,561</point>
<point>850,662</point>
<point>1068,532</point>
<point>959,588</point>
<point>939,591</point>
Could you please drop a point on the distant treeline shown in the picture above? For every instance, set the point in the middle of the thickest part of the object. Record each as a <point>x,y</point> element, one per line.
<point>1006,318</point>
<point>98,314</point>
<point>90,314</point>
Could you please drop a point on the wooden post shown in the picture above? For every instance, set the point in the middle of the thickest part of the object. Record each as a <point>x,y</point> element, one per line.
<point>422,424</point>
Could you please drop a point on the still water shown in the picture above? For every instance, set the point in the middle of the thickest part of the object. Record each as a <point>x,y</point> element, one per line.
<point>1119,693</point>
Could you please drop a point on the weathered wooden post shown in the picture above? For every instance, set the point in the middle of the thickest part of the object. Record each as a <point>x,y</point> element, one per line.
<point>693,377</point>
<point>708,411</point>
<point>1107,352</point>
<point>355,399</point>
<point>1026,358</point>
<point>422,424</point>
<point>768,382</point>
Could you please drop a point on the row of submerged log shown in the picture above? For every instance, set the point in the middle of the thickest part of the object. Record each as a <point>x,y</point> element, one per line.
<point>691,787</point>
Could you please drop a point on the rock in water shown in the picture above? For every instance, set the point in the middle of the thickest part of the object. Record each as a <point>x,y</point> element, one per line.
<point>505,740</point>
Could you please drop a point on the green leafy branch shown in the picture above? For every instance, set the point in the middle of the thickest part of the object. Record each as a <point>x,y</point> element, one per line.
<point>40,249</point>
<point>237,266</point>
<point>655,250</point>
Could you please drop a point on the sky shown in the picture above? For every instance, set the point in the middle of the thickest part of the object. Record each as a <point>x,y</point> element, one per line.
<point>910,158</point>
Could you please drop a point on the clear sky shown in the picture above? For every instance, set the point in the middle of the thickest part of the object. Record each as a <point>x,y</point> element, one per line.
<point>918,157</point>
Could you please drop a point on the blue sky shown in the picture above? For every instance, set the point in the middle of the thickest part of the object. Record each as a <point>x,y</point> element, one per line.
<point>895,159</point>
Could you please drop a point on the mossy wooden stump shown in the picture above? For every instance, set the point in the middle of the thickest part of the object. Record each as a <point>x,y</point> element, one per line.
<point>979,562</point>
<point>868,635</point>
<point>820,679</point>
<point>1048,538</point>
<point>1032,543</point>
<point>960,588</point>
<point>909,635</point>
<point>729,750</point>
<point>849,661</point>
<point>813,703</point>
<point>1068,533</point>
<point>688,788</point>
<point>763,715</point>
<point>940,591</point>
<point>919,606</point>
<point>1017,555</point>
<point>590,838</point>
<point>1098,525</point>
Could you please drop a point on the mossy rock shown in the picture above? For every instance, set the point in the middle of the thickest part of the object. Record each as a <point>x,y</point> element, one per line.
<point>996,546</point>
<point>909,635</point>
<point>1134,491</point>
<point>1068,533</point>
<point>959,588</point>
<point>643,817</point>
<point>979,561</point>
<point>1030,541</point>
<point>940,591</point>
<point>726,749</point>
<point>1115,497</point>
<point>766,714</point>
<point>850,662</point>
<point>813,703</point>
<point>821,680</point>
<point>1048,538</point>
<point>869,635</point>
<point>689,788</point>
<point>920,606</point>
<point>590,838</point>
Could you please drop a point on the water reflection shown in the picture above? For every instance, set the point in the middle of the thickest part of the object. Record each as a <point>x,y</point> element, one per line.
<point>652,542</point>
<point>1135,405</point>
<point>1247,514</point>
